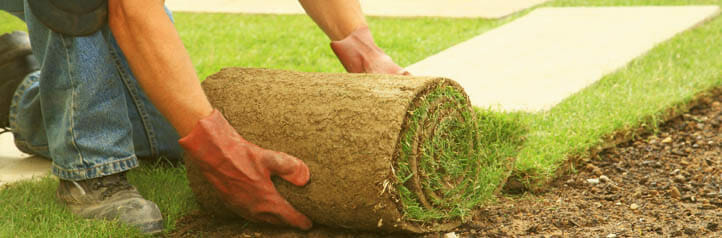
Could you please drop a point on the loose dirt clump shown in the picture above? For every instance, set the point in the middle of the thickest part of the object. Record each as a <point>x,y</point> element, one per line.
<point>666,184</point>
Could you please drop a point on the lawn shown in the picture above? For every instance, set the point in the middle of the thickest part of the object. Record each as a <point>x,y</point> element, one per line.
<point>636,96</point>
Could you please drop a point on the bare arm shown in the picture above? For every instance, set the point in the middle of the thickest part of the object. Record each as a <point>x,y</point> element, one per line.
<point>351,40</point>
<point>337,18</point>
<point>159,61</point>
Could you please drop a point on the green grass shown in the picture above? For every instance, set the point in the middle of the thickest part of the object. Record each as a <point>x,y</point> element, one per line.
<point>294,42</point>
<point>458,168</point>
<point>29,209</point>
<point>10,23</point>
<point>636,95</point>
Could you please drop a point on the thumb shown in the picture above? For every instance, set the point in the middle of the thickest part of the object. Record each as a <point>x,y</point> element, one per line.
<point>287,167</point>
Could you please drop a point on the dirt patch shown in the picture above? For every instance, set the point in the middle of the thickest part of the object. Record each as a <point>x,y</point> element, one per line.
<point>668,185</point>
<point>664,185</point>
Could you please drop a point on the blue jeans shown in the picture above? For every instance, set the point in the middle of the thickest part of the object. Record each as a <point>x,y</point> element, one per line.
<point>84,108</point>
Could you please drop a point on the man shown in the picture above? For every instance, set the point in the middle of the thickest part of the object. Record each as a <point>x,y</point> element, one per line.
<point>111,81</point>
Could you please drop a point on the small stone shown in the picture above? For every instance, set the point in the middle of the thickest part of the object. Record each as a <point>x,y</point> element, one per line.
<point>712,226</point>
<point>634,206</point>
<point>674,192</point>
<point>593,181</point>
<point>689,231</point>
<point>679,178</point>
<point>689,198</point>
<point>450,235</point>
<point>612,235</point>
<point>594,169</point>
<point>667,140</point>
<point>604,178</point>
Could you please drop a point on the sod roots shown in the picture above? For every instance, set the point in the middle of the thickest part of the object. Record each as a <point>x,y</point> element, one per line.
<point>385,152</point>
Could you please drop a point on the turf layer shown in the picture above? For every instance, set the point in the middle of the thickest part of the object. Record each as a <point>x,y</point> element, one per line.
<point>638,95</point>
<point>407,158</point>
<point>440,170</point>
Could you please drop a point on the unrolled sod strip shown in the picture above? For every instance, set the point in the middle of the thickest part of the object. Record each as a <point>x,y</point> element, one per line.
<point>385,152</point>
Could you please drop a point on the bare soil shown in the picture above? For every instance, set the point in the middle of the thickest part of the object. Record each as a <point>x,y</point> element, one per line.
<point>667,184</point>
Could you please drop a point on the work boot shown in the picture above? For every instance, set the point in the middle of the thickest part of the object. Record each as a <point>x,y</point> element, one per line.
<point>111,198</point>
<point>16,62</point>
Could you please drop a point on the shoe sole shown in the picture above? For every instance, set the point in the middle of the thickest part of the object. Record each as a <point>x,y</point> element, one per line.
<point>151,228</point>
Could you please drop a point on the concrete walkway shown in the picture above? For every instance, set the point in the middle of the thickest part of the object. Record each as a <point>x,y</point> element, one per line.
<point>538,60</point>
<point>401,8</point>
<point>16,166</point>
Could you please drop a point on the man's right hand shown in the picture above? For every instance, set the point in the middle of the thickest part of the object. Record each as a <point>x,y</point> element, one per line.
<point>241,172</point>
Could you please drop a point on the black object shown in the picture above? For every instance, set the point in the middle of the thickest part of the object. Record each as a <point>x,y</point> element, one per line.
<point>71,17</point>
<point>16,62</point>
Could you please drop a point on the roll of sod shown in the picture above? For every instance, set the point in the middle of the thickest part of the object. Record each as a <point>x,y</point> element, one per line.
<point>385,152</point>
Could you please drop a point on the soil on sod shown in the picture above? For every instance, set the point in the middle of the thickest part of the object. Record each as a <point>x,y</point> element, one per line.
<point>665,184</point>
<point>390,153</point>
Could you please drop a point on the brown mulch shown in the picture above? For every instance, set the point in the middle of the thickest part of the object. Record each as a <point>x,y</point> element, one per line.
<point>667,184</point>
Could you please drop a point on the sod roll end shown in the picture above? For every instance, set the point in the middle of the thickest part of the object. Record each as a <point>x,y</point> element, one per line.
<point>391,153</point>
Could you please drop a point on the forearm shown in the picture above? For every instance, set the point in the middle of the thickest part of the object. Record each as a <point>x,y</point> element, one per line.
<point>337,18</point>
<point>159,61</point>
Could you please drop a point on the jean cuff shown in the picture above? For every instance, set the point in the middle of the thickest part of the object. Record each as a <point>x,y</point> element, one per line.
<point>114,166</point>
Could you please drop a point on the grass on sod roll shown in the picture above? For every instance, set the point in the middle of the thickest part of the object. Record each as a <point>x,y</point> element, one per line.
<point>668,76</point>
<point>460,164</point>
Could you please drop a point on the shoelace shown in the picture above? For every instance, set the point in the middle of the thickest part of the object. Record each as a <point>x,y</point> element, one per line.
<point>4,130</point>
<point>114,187</point>
<point>111,187</point>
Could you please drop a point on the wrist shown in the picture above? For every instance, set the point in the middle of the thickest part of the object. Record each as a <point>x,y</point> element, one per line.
<point>208,136</point>
<point>184,125</point>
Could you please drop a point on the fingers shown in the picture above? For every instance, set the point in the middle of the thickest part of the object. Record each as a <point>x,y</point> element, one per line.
<point>293,217</point>
<point>287,167</point>
<point>279,212</point>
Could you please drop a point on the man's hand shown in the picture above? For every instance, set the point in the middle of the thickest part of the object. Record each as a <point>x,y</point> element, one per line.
<point>241,172</point>
<point>359,54</point>
<point>344,23</point>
